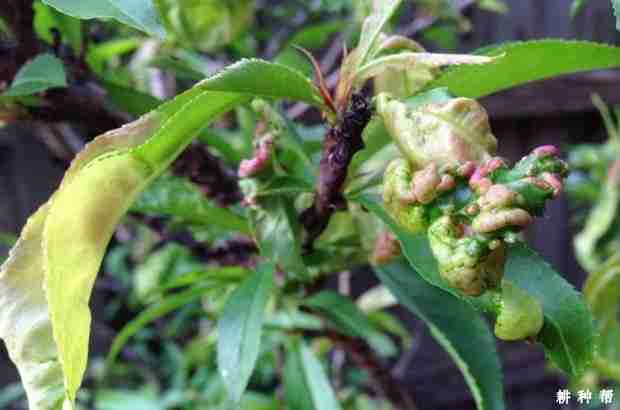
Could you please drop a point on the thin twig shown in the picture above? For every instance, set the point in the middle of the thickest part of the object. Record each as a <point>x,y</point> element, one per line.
<point>364,357</point>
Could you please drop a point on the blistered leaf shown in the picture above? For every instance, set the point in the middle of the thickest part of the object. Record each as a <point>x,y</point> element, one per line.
<point>78,221</point>
<point>412,61</point>
<point>456,326</point>
<point>240,328</point>
<point>42,73</point>
<point>140,14</point>
<point>457,130</point>
<point>524,62</point>
<point>568,332</point>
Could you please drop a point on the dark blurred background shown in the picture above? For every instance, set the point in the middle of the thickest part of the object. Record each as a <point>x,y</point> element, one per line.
<point>558,111</point>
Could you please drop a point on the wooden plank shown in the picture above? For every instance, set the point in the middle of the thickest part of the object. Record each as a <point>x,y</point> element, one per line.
<point>555,97</point>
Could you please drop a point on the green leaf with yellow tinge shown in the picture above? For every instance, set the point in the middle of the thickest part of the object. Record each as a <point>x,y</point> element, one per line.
<point>46,283</point>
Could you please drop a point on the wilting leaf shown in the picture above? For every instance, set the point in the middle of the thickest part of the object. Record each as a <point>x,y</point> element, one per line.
<point>524,62</point>
<point>240,328</point>
<point>139,14</point>
<point>46,283</point>
<point>40,74</point>
<point>456,326</point>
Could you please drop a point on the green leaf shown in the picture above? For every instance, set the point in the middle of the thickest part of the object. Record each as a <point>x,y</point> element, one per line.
<point>240,328</point>
<point>161,308</point>
<point>276,228</point>
<point>100,54</point>
<point>577,7</point>
<point>129,100</point>
<point>348,319</point>
<point>47,18</point>
<point>305,382</point>
<point>46,283</point>
<point>284,184</point>
<point>456,326</point>
<point>42,73</point>
<point>524,62</point>
<point>567,334</point>
<point>139,14</point>
<point>224,275</point>
<point>616,5</point>
<point>174,196</point>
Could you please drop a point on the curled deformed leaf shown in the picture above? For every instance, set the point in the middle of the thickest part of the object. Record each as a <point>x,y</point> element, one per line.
<point>415,61</point>
<point>456,130</point>
<point>61,249</point>
<point>567,334</point>
<point>24,319</point>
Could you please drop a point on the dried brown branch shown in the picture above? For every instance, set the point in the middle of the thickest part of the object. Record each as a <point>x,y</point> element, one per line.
<point>341,142</point>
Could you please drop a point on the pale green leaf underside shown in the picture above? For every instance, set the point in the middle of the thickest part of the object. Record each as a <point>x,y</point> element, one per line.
<point>139,14</point>
<point>456,326</point>
<point>78,221</point>
<point>524,62</point>
<point>42,73</point>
